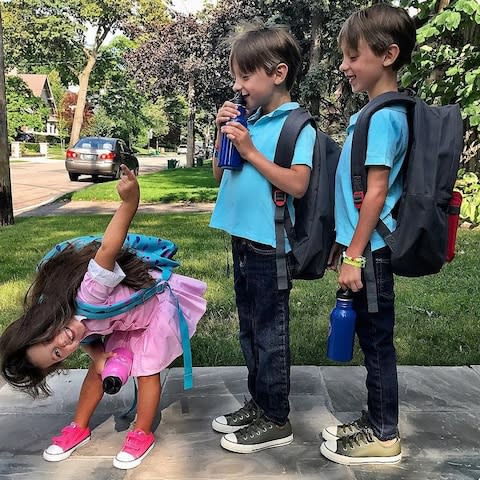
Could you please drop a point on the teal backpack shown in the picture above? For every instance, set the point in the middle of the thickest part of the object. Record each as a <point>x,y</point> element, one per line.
<point>157,253</point>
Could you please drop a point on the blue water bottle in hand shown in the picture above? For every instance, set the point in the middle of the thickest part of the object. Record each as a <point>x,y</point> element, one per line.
<point>341,335</point>
<point>228,157</point>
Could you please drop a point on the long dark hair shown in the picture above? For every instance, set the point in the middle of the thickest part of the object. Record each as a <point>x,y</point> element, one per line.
<point>48,307</point>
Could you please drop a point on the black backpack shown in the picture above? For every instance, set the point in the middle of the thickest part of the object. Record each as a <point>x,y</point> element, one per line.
<point>313,234</point>
<point>419,241</point>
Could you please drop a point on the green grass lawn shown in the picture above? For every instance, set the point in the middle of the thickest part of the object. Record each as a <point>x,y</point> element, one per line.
<point>56,152</point>
<point>192,184</point>
<point>437,316</point>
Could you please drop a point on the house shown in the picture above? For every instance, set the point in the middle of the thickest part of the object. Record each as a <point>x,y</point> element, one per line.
<point>40,86</point>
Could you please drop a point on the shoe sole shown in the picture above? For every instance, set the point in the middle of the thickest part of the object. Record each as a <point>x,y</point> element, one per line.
<point>222,428</point>
<point>240,448</point>
<point>342,459</point>
<point>50,457</point>
<point>133,463</point>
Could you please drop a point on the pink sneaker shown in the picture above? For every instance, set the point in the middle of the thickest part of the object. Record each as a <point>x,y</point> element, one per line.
<point>71,437</point>
<point>135,448</point>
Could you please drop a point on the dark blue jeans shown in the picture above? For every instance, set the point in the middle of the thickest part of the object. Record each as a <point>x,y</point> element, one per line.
<point>375,335</point>
<point>264,334</point>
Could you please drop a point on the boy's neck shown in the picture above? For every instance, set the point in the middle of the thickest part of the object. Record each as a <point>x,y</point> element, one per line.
<point>387,83</point>
<point>278,98</point>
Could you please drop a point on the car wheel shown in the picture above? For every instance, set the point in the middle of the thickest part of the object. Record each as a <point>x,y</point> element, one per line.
<point>118,173</point>
<point>95,178</point>
<point>73,176</point>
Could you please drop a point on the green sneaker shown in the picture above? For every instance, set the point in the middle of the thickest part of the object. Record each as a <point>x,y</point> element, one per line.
<point>360,448</point>
<point>231,422</point>
<point>335,432</point>
<point>259,435</point>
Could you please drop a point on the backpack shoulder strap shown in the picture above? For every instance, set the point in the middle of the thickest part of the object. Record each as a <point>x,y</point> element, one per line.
<point>360,139</point>
<point>297,119</point>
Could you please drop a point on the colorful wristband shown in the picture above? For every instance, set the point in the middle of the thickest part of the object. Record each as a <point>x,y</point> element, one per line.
<point>359,262</point>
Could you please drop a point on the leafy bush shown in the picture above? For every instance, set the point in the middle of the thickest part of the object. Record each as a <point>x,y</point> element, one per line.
<point>469,185</point>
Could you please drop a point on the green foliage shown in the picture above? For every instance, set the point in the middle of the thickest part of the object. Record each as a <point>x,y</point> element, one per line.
<point>469,184</point>
<point>446,65</point>
<point>23,108</point>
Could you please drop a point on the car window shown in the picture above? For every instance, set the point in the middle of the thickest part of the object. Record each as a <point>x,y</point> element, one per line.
<point>94,144</point>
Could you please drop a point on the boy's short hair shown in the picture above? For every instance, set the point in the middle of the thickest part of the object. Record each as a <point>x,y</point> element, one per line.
<point>381,25</point>
<point>258,46</point>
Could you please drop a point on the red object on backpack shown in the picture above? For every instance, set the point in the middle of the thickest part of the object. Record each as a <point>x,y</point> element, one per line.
<point>453,215</point>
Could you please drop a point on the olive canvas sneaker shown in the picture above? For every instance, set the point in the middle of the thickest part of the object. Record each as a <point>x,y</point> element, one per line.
<point>231,422</point>
<point>335,432</point>
<point>361,448</point>
<point>259,435</point>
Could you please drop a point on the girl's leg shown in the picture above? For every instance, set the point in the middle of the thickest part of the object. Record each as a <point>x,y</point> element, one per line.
<point>90,395</point>
<point>149,389</point>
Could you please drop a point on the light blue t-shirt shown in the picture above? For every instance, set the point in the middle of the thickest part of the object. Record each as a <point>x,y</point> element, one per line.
<point>387,145</point>
<point>244,206</point>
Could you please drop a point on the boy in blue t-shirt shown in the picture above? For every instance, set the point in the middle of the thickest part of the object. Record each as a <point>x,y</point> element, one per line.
<point>375,42</point>
<point>264,63</point>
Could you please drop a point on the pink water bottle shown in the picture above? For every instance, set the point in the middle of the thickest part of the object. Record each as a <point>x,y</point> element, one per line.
<point>117,370</point>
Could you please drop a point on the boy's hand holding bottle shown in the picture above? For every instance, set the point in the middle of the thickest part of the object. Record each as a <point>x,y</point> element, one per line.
<point>232,122</point>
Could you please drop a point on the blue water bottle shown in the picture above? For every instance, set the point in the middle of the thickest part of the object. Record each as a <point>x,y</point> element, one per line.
<point>228,157</point>
<point>341,335</point>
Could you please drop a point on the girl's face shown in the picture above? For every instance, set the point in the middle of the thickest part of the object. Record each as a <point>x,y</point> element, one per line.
<point>46,354</point>
<point>364,69</point>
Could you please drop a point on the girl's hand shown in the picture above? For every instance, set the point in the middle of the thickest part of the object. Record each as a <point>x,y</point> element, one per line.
<point>240,137</point>
<point>350,277</point>
<point>127,187</point>
<point>227,112</point>
<point>100,359</point>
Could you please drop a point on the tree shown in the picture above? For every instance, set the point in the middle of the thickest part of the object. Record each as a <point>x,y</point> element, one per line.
<point>23,108</point>
<point>55,31</point>
<point>6,205</point>
<point>446,64</point>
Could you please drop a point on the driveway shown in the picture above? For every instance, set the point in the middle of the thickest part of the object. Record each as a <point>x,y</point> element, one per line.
<point>39,181</point>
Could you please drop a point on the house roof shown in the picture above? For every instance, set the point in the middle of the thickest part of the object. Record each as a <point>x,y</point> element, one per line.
<point>35,81</point>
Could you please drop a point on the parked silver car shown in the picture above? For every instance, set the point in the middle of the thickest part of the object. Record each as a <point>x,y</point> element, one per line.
<point>99,156</point>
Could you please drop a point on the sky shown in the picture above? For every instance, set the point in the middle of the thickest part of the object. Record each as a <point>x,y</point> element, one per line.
<point>187,6</point>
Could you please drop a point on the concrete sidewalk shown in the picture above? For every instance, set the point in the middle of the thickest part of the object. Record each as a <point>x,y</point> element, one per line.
<point>439,423</point>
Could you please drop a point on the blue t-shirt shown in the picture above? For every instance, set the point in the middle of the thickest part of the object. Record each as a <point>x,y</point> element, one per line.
<point>244,206</point>
<point>387,145</point>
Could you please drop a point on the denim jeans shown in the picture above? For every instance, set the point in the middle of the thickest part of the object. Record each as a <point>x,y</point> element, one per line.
<point>375,335</point>
<point>264,334</point>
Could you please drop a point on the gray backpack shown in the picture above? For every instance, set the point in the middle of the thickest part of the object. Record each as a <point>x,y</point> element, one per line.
<point>313,234</point>
<point>421,240</point>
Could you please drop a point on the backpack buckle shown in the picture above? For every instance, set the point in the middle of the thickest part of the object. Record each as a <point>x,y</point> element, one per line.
<point>358,199</point>
<point>279,198</point>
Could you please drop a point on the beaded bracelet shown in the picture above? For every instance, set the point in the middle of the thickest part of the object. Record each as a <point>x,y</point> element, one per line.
<point>359,262</point>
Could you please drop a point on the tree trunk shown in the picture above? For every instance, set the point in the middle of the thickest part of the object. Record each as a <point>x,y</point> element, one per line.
<point>83,79</point>
<point>6,205</point>
<point>191,123</point>
<point>442,4</point>
<point>315,54</point>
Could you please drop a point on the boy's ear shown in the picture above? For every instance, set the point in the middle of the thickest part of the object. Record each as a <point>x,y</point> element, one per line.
<point>391,55</point>
<point>280,73</point>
